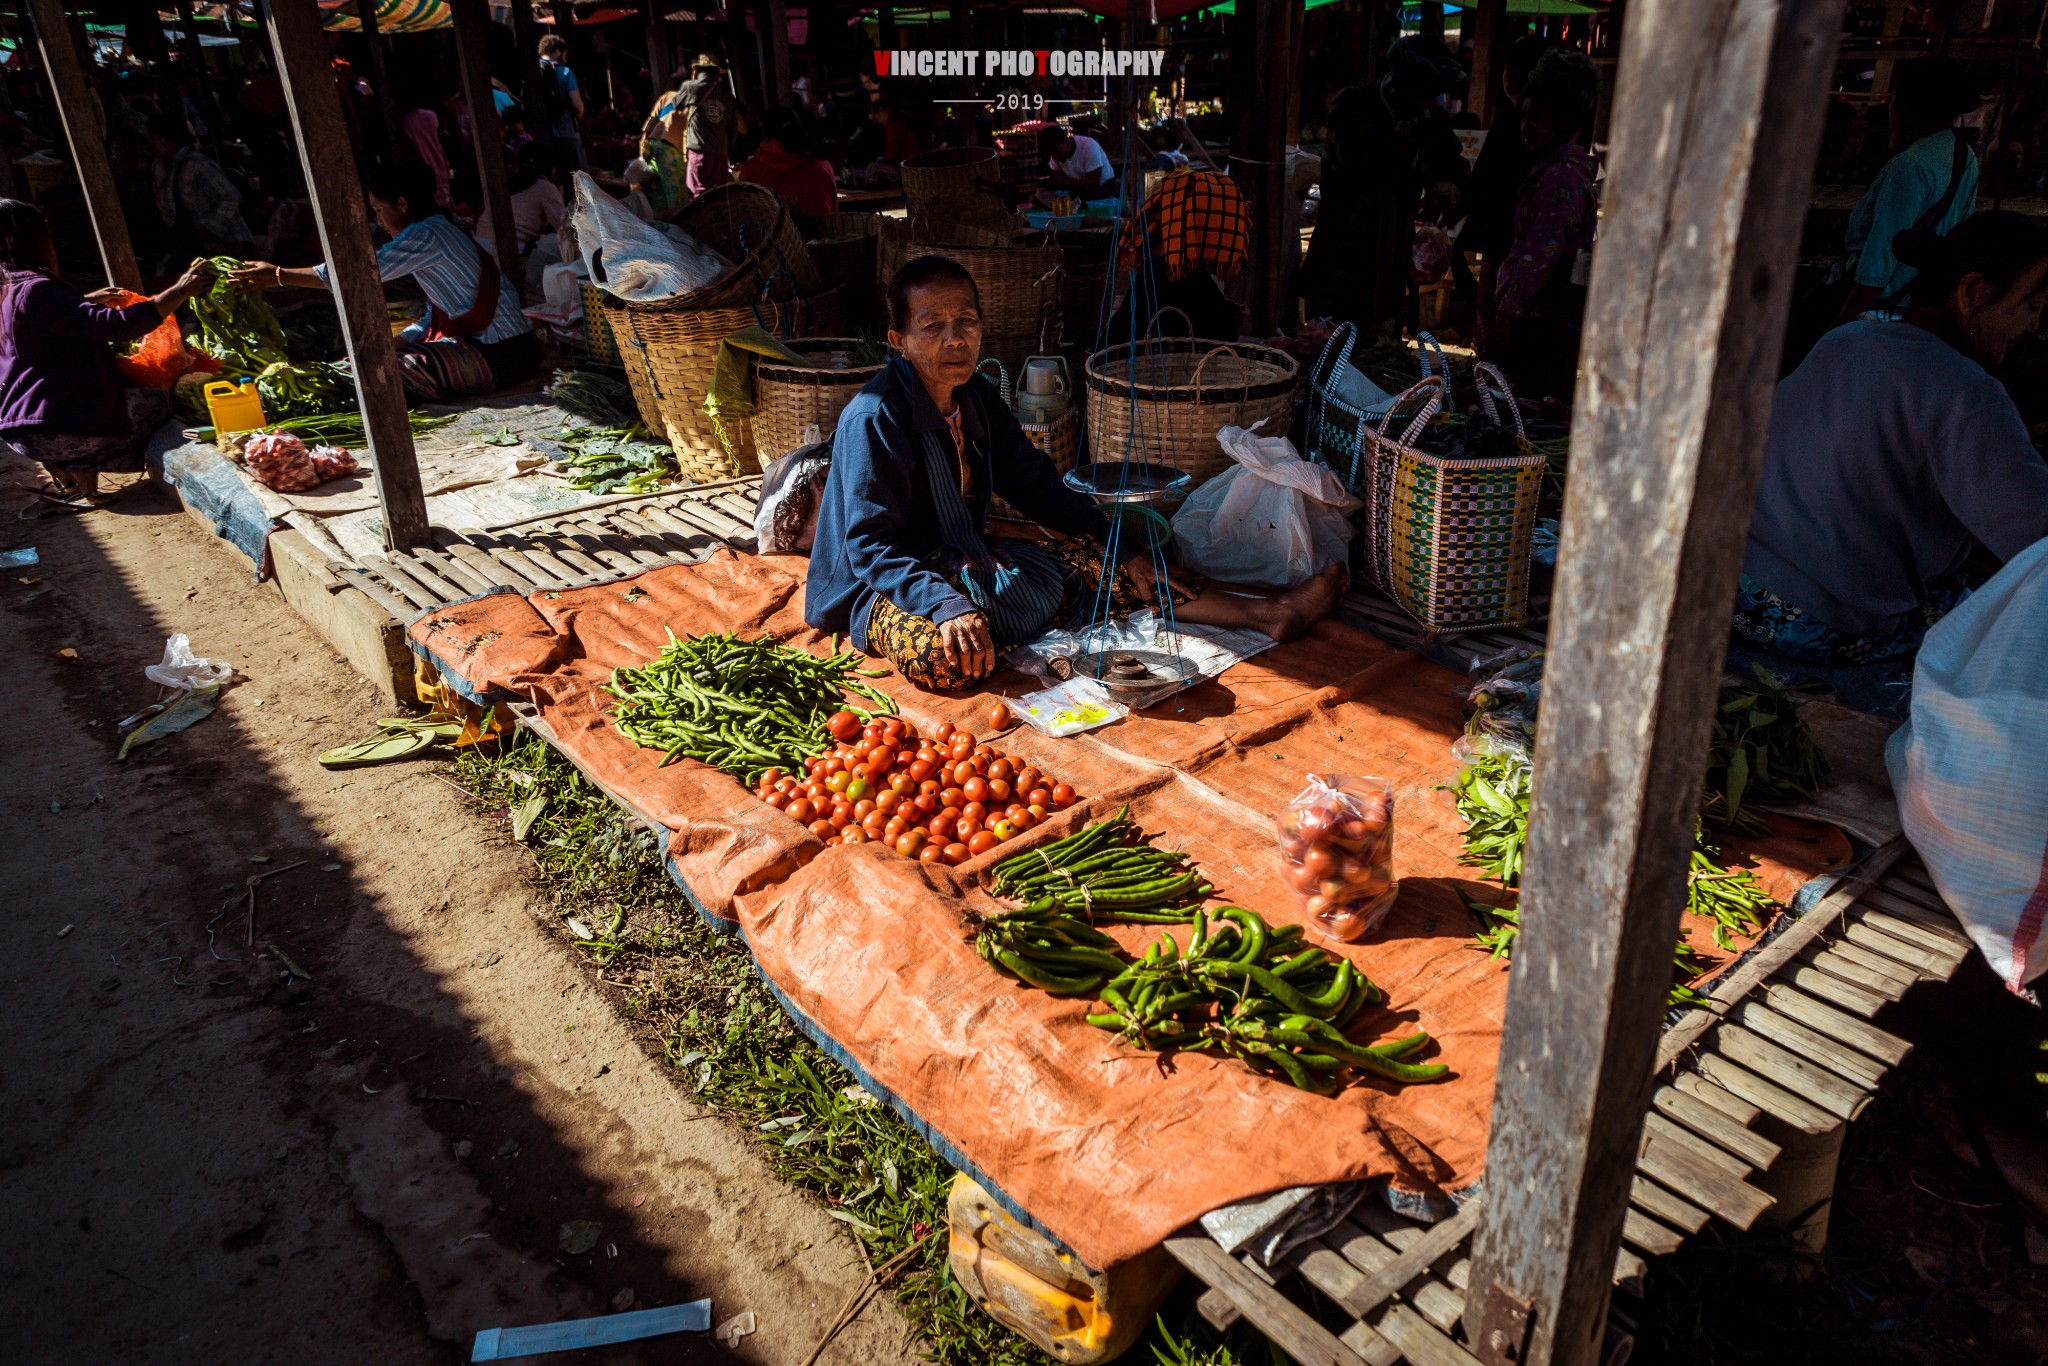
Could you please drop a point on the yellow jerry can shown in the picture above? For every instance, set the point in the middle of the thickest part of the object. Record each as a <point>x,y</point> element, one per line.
<point>1045,1294</point>
<point>234,407</point>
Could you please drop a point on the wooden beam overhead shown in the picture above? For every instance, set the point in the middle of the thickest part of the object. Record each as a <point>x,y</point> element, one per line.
<point>472,23</point>
<point>299,47</point>
<point>1716,127</point>
<point>75,105</point>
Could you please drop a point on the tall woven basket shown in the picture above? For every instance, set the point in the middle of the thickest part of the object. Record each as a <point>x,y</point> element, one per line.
<point>597,333</point>
<point>669,355</point>
<point>1450,539</point>
<point>1163,400</point>
<point>791,400</point>
<point>1019,281</point>
<point>957,185</point>
<point>751,227</point>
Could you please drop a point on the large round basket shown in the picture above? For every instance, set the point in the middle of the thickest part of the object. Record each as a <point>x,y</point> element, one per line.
<point>597,333</point>
<point>1163,400</point>
<point>956,185</point>
<point>669,355</point>
<point>1085,302</point>
<point>843,248</point>
<point>1019,283</point>
<point>751,227</point>
<point>792,400</point>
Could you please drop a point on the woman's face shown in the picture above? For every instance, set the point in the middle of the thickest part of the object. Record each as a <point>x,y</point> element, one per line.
<point>390,215</point>
<point>942,340</point>
<point>1543,128</point>
<point>1993,319</point>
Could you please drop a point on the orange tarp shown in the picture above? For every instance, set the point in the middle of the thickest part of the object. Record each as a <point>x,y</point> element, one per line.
<point>1108,1148</point>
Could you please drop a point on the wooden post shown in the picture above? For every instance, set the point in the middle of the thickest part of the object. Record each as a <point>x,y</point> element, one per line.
<point>73,98</point>
<point>299,47</point>
<point>1258,158</point>
<point>526,39</point>
<point>1894,25</point>
<point>772,19</point>
<point>1716,127</point>
<point>380,78</point>
<point>661,57</point>
<point>472,22</point>
<point>1430,19</point>
<point>1489,27</point>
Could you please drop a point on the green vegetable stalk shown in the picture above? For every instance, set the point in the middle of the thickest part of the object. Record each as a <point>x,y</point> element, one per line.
<point>235,325</point>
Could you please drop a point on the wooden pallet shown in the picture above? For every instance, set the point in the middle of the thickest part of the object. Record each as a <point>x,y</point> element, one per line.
<point>596,543</point>
<point>1785,1046</point>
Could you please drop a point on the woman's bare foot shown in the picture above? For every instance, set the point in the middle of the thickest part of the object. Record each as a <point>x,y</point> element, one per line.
<point>1283,616</point>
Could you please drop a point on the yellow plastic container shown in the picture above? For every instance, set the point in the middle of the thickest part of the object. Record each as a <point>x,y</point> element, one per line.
<point>1045,1294</point>
<point>234,407</point>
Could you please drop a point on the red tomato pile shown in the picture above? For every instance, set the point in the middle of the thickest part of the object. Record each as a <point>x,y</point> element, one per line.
<point>941,799</point>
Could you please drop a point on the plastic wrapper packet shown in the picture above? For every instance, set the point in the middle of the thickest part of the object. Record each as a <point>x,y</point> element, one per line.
<point>1337,841</point>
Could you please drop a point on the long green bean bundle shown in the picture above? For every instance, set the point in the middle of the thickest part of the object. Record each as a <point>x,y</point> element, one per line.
<point>743,706</point>
<point>235,325</point>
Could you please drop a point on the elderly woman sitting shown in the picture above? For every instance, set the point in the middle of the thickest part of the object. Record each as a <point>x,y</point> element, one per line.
<point>903,560</point>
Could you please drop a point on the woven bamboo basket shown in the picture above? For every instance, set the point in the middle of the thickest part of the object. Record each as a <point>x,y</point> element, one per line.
<point>669,355</point>
<point>956,185</point>
<point>1450,540</point>
<point>751,227</point>
<point>789,400</point>
<point>1085,299</point>
<point>843,248</point>
<point>1163,399</point>
<point>597,333</point>
<point>1019,284</point>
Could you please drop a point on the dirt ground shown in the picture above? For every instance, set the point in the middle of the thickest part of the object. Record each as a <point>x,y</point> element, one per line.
<point>207,1157</point>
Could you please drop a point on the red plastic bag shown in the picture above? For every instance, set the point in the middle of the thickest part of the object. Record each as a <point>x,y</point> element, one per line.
<point>1337,838</point>
<point>160,359</point>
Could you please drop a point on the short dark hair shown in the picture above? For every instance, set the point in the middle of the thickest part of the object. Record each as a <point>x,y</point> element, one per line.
<point>24,234</point>
<point>918,273</point>
<point>1998,244</point>
<point>169,124</point>
<point>1936,88</point>
<point>1565,82</point>
<point>1049,139</point>
<point>554,45</point>
<point>784,125</point>
<point>409,179</point>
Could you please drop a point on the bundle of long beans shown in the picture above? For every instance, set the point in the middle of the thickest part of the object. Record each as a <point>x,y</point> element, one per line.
<point>743,706</point>
<point>1102,870</point>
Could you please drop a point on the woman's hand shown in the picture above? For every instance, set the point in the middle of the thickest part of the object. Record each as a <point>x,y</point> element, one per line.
<point>1143,577</point>
<point>197,279</point>
<point>255,275</point>
<point>970,649</point>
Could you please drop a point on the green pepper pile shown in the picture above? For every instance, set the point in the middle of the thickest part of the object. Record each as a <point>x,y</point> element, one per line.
<point>1241,988</point>
<point>614,459</point>
<point>1103,870</point>
<point>742,706</point>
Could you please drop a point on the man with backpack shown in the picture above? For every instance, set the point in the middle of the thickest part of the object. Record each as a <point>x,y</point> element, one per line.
<point>559,103</point>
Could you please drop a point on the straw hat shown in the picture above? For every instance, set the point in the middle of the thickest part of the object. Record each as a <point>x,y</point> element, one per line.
<point>705,61</point>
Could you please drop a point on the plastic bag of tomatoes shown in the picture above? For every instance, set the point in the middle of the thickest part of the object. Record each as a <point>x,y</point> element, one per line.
<point>1338,841</point>
<point>939,798</point>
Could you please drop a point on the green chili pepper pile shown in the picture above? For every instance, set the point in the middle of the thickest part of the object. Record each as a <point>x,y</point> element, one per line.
<point>1499,926</point>
<point>743,706</point>
<point>1242,988</point>
<point>1730,897</point>
<point>1762,754</point>
<point>235,325</point>
<point>1493,797</point>
<point>1101,871</point>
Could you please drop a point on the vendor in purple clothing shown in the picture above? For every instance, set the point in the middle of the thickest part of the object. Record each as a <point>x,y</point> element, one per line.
<point>61,401</point>
<point>1894,452</point>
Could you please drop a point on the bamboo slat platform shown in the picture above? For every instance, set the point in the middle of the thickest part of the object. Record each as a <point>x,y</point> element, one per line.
<point>1784,1051</point>
<point>588,545</point>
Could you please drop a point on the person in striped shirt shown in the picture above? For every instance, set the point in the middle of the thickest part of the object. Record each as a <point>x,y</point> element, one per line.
<point>475,339</point>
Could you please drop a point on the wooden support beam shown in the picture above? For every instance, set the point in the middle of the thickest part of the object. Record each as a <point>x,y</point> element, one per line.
<point>661,53</point>
<point>526,40</point>
<point>73,98</point>
<point>299,47</point>
<point>771,22</point>
<point>386,144</point>
<point>1483,96</point>
<point>1716,126</point>
<point>1258,158</point>
<point>472,25</point>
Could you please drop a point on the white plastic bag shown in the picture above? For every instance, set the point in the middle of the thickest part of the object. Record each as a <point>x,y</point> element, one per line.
<point>631,259</point>
<point>1966,771</point>
<point>183,669</point>
<point>1274,520</point>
